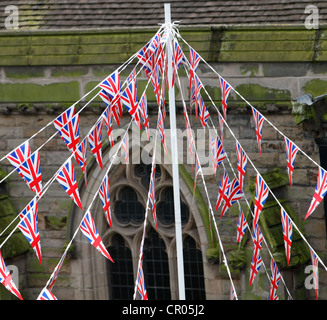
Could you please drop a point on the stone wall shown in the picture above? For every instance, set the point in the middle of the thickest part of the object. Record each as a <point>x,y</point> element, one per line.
<point>35,86</point>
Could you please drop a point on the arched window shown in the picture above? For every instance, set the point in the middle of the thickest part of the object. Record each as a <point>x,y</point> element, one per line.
<point>121,271</point>
<point>156,267</point>
<point>193,271</point>
<point>166,211</point>
<point>128,208</point>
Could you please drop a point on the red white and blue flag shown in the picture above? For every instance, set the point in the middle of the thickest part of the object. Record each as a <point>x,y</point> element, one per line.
<point>197,171</point>
<point>145,56</point>
<point>321,189</point>
<point>287,225</point>
<point>107,118</point>
<point>241,226</point>
<point>46,295</point>
<point>64,118</point>
<point>291,151</point>
<point>258,123</point>
<point>314,261</point>
<point>261,195</point>
<point>194,62</point>
<point>129,98</point>
<point>95,142</point>
<point>112,86</point>
<point>29,227</point>
<point>224,183</point>
<point>66,177</point>
<point>143,107</point>
<point>241,163</point>
<point>155,83</point>
<point>161,128</point>
<point>232,194</point>
<point>256,263</point>
<point>56,271</point>
<point>225,89</point>
<point>31,172</point>
<point>89,229</point>
<point>104,194</point>
<point>257,240</point>
<point>140,280</point>
<point>197,87</point>
<point>19,155</point>
<point>274,281</point>
<point>218,153</point>
<point>178,58</point>
<point>81,151</point>
<point>6,279</point>
<point>203,112</point>
<point>113,109</point>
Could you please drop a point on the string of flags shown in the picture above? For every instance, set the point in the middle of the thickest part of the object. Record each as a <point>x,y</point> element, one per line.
<point>115,96</point>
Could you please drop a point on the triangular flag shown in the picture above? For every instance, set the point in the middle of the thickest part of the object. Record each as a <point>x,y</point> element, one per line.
<point>104,194</point>
<point>46,295</point>
<point>258,123</point>
<point>261,194</point>
<point>95,142</point>
<point>287,226</point>
<point>291,151</point>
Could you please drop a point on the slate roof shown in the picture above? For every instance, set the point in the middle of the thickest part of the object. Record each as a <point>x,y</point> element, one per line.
<point>63,14</point>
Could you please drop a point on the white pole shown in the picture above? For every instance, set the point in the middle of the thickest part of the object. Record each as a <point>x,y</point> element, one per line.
<point>174,155</point>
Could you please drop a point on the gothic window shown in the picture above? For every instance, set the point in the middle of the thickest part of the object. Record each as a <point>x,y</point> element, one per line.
<point>156,267</point>
<point>121,272</point>
<point>128,208</point>
<point>166,211</point>
<point>193,270</point>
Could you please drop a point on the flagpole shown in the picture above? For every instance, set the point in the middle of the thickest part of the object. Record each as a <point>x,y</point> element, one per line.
<point>174,156</point>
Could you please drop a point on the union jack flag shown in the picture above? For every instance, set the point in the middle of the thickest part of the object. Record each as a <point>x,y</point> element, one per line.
<point>197,87</point>
<point>140,280</point>
<point>31,171</point>
<point>232,194</point>
<point>46,295</point>
<point>203,112</point>
<point>232,294</point>
<point>178,58</point>
<point>257,240</point>
<point>256,263</point>
<point>155,83</point>
<point>29,227</point>
<point>221,126</point>
<point>143,106</point>
<point>261,195</point>
<point>66,177</point>
<point>112,86</point>
<point>287,225</point>
<point>125,149</point>
<point>19,155</point>
<point>321,189</point>
<point>70,135</point>
<point>225,89</point>
<point>314,260</point>
<point>113,109</point>
<point>56,271</point>
<point>81,151</point>
<point>152,192</point>
<point>258,123</point>
<point>224,183</point>
<point>241,163</point>
<point>218,152</point>
<point>6,279</point>
<point>64,118</point>
<point>129,97</point>
<point>161,128</point>
<point>89,229</point>
<point>291,151</point>
<point>241,226</point>
<point>194,62</point>
<point>104,194</point>
<point>197,171</point>
<point>145,59</point>
<point>107,118</point>
<point>95,142</point>
<point>274,281</point>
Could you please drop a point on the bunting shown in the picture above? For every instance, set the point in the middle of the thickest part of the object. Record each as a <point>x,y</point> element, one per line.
<point>95,142</point>
<point>6,279</point>
<point>224,183</point>
<point>256,260</point>
<point>66,177</point>
<point>140,279</point>
<point>233,193</point>
<point>161,128</point>
<point>194,62</point>
<point>107,119</point>
<point>89,229</point>
<point>46,295</point>
<point>274,281</point>
<point>321,189</point>
<point>218,153</point>
<point>104,194</point>
<point>152,192</point>
<point>314,261</point>
<point>261,195</point>
<point>241,163</point>
<point>258,123</point>
<point>287,233</point>
<point>64,118</point>
<point>225,89</point>
<point>56,271</point>
<point>241,226</point>
<point>81,151</point>
<point>143,107</point>
<point>203,112</point>
<point>291,151</point>
<point>112,109</point>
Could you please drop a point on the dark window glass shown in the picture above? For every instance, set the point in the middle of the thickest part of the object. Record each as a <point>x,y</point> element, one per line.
<point>156,268</point>
<point>121,271</point>
<point>166,211</point>
<point>128,208</point>
<point>193,271</point>
<point>144,172</point>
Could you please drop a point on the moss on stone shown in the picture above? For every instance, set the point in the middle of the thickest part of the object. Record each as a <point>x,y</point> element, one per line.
<point>315,87</point>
